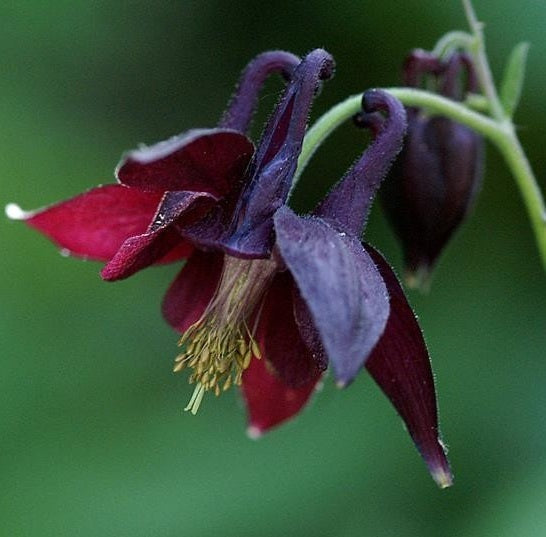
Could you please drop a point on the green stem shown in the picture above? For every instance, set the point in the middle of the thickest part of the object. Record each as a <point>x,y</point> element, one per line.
<point>451,41</point>
<point>479,103</point>
<point>477,49</point>
<point>500,132</point>
<point>410,97</point>
<point>512,151</point>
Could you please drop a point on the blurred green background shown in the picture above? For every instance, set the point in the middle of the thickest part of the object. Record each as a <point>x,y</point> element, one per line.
<point>93,440</point>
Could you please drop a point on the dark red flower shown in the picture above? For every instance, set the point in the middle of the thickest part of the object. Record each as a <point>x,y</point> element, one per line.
<point>260,281</point>
<point>181,198</point>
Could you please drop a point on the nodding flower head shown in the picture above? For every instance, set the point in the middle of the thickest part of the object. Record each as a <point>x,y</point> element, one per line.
<point>436,177</point>
<point>266,298</point>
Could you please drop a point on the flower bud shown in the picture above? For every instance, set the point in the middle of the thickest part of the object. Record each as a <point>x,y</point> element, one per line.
<point>439,171</point>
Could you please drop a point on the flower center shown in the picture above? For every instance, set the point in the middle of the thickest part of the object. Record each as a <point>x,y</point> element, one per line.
<point>220,345</point>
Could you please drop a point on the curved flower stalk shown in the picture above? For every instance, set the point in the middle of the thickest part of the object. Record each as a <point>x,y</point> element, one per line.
<point>161,189</point>
<point>490,115</point>
<point>436,177</point>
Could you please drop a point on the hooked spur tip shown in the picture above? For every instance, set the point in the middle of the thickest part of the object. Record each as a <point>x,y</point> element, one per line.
<point>328,67</point>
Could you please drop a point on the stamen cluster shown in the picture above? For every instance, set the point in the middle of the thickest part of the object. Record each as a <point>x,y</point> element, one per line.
<point>220,345</point>
<point>217,354</point>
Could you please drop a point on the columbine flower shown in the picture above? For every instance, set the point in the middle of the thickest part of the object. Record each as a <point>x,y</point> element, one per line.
<point>161,189</point>
<point>439,172</point>
<point>307,292</point>
<point>262,282</point>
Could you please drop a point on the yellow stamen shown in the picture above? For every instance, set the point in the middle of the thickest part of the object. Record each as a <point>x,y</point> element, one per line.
<point>220,346</point>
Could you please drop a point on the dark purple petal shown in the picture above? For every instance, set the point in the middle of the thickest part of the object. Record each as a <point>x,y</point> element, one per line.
<point>203,160</point>
<point>307,329</point>
<point>341,286</point>
<point>241,108</point>
<point>275,161</point>
<point>279,339</point>
<point>209,231</point>
<point>96,223</point>
<point>268,400</point>
<point>192,290</point>
<point>349,202</point>
<point>161,237</point>
<point>400,365</point>
<point>180,208</point>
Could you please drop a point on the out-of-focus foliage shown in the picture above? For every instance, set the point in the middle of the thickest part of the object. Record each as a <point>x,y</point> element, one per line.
<point>92,436</point>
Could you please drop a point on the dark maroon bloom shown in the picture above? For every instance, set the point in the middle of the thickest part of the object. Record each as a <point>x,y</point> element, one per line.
<point>161,189</point>
<point>260,281</point>
<point>439,172</point>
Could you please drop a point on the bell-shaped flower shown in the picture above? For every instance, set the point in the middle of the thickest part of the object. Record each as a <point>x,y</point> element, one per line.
<point>266,299</point>
<point>179,198</point>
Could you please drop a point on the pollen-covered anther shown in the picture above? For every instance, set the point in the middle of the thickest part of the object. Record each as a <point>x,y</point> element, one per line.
<point>218,357</point>
<point>220,345</point>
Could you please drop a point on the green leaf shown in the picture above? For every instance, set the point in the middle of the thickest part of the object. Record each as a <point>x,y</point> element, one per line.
<point>514,74</point>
